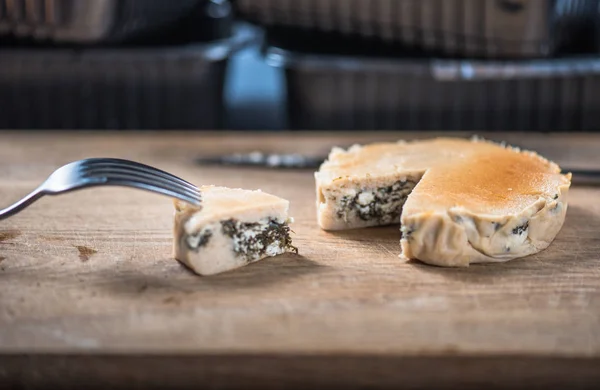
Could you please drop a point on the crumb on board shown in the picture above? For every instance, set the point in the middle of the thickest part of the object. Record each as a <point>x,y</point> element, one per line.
<point>173,300</point>
<point>9,235</point>
<point>85,252</point>
<point>52,238</point>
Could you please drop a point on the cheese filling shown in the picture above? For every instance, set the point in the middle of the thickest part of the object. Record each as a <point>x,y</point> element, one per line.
<point>250,240</point>
<point>381,205</point>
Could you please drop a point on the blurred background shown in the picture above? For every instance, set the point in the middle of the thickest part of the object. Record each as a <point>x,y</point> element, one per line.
<point>300,64</point>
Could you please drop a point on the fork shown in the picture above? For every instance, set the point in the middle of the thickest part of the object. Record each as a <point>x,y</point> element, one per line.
<point>94,172</point>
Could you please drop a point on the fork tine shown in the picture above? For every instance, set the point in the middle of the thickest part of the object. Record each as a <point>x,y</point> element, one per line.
<point>133,175</point>
<point>110,162</point>
<point>143,181</point>
<point>153,188</point>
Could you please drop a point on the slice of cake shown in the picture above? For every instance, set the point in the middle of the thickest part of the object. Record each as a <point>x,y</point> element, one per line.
<point>458,201</point>
<point>232,228</point>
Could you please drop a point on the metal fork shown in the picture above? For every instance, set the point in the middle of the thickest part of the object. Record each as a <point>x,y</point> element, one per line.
<point>96,172</point>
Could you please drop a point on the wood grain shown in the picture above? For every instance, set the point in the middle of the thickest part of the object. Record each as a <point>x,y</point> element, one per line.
<point>91,273</point>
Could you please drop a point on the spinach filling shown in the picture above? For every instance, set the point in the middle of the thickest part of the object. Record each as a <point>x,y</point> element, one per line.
<point>197,241</point>
<point>406,232</point>
<point>257,239</point>
<point>521,229</point>
<point>383,204</point>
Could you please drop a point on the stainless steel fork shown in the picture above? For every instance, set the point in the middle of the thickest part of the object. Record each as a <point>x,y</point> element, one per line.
<point>96,172</point>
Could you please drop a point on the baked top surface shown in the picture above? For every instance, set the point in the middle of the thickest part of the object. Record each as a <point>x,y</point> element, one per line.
<point>480,176</point>
<point>222,203</point>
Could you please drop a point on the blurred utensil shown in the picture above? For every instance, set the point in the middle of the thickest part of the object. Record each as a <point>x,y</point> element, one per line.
<point>300,161</point>
<point>268,160</point>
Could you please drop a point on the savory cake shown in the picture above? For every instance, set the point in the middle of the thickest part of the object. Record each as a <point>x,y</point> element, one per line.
<point>458,201</point>
<point>232,228</point>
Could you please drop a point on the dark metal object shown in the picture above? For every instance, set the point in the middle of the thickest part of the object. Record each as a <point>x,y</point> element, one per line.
<point>268,160</point>
<point>146,87</point>
<point>487,28</point>
<point>299,161</point>
<point>585,176</point>
<point>352,91</point>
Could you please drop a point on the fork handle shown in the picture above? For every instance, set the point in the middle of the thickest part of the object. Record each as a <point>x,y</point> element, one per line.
<point>20,205</point>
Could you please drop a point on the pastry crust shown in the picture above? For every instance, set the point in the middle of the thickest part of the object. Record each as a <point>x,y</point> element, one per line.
<point>472,200</point>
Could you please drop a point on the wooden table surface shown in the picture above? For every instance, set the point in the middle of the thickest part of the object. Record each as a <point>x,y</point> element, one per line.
<point>89,292</point>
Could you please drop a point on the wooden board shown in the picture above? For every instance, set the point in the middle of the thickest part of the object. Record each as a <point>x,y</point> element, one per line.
<point>91,273</point>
